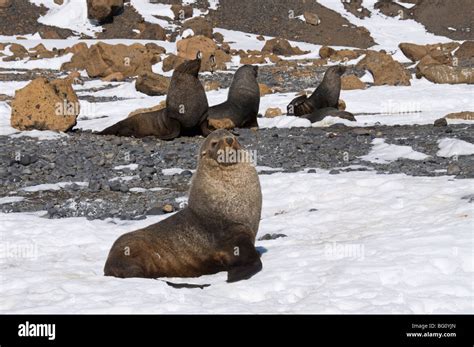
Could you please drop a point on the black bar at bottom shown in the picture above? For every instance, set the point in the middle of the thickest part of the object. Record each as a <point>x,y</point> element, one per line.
<point>320,330</point>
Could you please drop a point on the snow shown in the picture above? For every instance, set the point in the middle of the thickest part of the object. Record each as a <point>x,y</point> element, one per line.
<point>11,199</point>
<point>51,186</point>
<point>173,171</point>
<point>148,10</point>
<point>383,153</point>
<point>386,31</point>
<point>124,178</point>
<point>41,135</point>
<point>126,167</point>
<point>46,63</point>
<point>349,255</point>
<point>72,14</point>
<point>454,147</point>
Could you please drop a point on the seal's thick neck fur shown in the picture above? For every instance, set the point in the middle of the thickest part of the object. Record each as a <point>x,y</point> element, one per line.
<point>228,192</point>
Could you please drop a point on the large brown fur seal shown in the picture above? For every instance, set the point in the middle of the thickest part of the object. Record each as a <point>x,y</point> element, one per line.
<point>243,101</point>
<point>215,232</point>
<point>185,112</point>
<point>325,95</point>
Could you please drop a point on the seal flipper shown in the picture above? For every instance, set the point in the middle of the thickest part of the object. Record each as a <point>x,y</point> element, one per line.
<point>320,114</point>
<point>245,260</point>
<point>299,106</point>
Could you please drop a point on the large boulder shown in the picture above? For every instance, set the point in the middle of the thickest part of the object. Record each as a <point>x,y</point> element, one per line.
<point>281,46</point>
<point>436,72</point>
<point>152,84</point>
<point>351,82</point>
<point>172,61</point>
<point>5,3</point>
<point>464,115</point>
<point>384,69</point>
<point>213,58</point>
<point>326,52</point>
<point>416,52</point>
<point>181,12</point>
<point>102,11</point>
<point>199,26</point>
<point>102,59</point>
<point>45,105</point>
<point>465,54</point>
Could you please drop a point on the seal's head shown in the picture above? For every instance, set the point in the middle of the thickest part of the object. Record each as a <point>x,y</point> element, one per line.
<point>251,70</point>
<point>336,70</point>
<point>190,67</point>
<point>221,149</point>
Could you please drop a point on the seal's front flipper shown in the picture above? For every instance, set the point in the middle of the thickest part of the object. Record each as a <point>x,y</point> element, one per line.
<point>245,260</point>
<point>244,272</point>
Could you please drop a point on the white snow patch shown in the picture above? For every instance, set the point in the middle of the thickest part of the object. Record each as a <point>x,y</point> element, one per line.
<point>52,186</point>
<point>72,14</point>
<point>173,171</point>
<point>124,178</point>
<point>454,147</point>
<point>148,10</point>
<point>42,135</point>
<point>126,167</point>
<point>10,199</point>
<point>383,153</point>
<point>387,32</point>
<point>373,244</point>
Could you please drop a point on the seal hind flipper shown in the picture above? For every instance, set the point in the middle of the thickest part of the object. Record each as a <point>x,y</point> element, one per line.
<point>320,114</point>
<point>299,106</point>
<point>155,123</point>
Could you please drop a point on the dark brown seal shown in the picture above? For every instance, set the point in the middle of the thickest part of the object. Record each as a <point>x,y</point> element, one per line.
<point>215,232</point>
<point>243,101</point>
<point>185,112</point>
<point>325,95</point>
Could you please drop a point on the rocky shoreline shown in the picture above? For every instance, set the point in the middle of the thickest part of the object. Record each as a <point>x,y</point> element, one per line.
<point>128,178</point>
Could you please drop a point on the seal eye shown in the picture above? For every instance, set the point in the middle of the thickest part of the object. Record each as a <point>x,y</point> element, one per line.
<point>214,144</point>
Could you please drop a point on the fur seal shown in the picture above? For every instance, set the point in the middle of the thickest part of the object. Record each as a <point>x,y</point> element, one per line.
<point>325,95</point>
<point>215,232</point>
<point>243,101</point>
<point>185,112</point>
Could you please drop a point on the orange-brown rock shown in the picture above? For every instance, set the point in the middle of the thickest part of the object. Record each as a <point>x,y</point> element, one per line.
<point>189,47</point>
<point>199,25</point>
<point>465,115</point>
<point>281,46</point>
<point>102,59</point>
<point>264,89</point>
<point>152,84</point>
<point>384,69</point>
<point>351,82</point>
<point>272,112</point>
<point>182,12</point>
<point>252,59</point>
<point>45,105</point>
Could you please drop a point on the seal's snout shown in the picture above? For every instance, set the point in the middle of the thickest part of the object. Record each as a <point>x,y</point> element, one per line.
<point>229,140</point>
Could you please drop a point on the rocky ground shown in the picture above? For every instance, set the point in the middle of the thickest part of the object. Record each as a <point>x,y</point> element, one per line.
<point>145,188</point>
